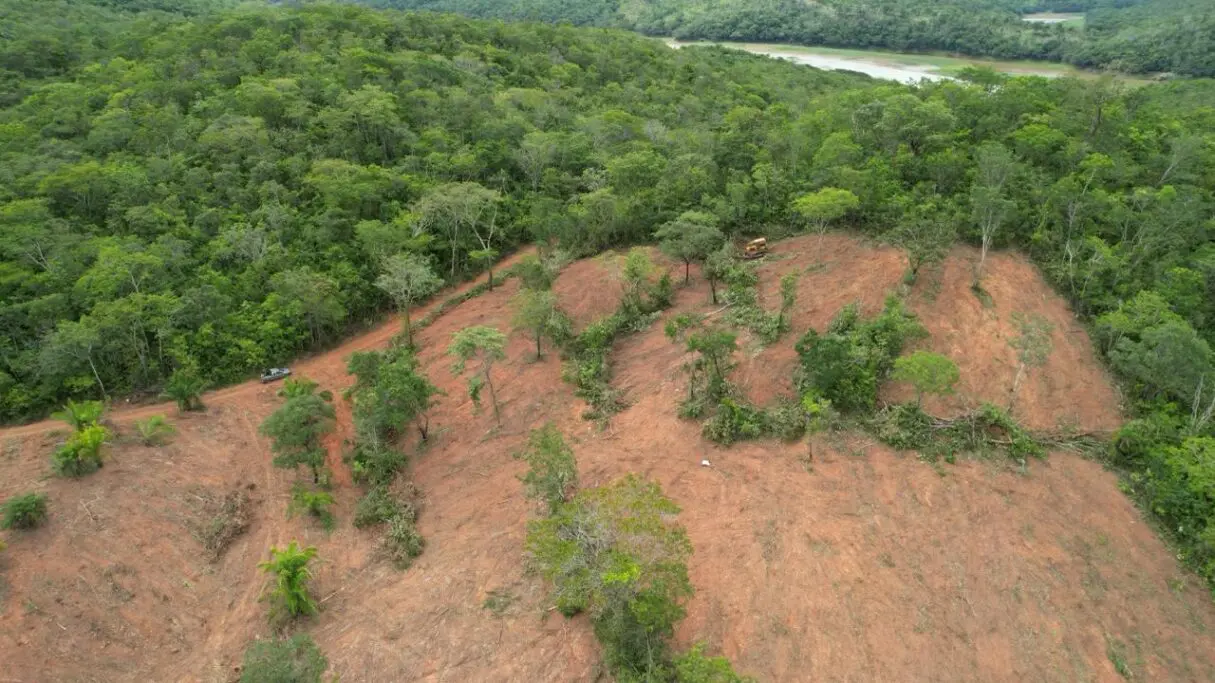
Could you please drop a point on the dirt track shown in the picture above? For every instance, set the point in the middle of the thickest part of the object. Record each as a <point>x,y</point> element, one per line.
<point>856,565</point>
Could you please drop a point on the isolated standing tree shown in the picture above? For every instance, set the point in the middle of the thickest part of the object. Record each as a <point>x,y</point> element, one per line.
<point>552,473</point>
<point>297,428</point>
<point>788,298</point>
<point>689,238</point>
<point>536,312</point>
<point>408,279</point>
<point>290,569</point>
<point>1033,347</point>
<point>929,373</point>
<point>485,345</point>
<point>718,266</point>
<point>926,240</point>
<point>989,207</point>
<point>822,207</point>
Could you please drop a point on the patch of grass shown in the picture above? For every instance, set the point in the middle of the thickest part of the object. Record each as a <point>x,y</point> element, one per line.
<point>295,660</point>
<point>982,295</point>
<point>1116,651</point>
<point>499,601</point>
<point>223,520</point>
<point>315,504</point>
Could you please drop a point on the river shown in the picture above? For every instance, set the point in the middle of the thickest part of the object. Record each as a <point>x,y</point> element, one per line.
<point>893,66</point>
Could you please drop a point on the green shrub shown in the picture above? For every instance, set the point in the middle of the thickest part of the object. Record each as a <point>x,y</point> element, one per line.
<point>734,421</point>
<point>786,421</point>
<point>26,511</point>
<point>989,429</point>
<point>846,364</point>
<point>81,454</point>
<point>589,369</point>
<point>81,415</point>
<point>290,595</point>
<point>694,667</point>
<point>376,507</point>
<point>613,552</point>
<point>314,503</point>
<point>375,464</point>
<point>155,430</point>
<point>292,660</point>
<point>551,472</point>
<point>402,542</point>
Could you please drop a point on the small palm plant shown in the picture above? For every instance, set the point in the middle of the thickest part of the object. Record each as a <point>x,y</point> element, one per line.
<point>80,415</point>
<point>82,452</point>
<point>155,430</point>
<point>185,388</point>
<point>290,569</point>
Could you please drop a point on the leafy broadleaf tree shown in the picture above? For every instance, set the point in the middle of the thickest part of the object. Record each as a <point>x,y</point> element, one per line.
<point>289,567</point>
<point>390,394</point>
<point>690,238</point>
<point>551,473</point>
<point>537,313</point>
<point>296,430</point>
<point>823,207</point>
<point>408,279</point>
<point>463,216</point>
<point>1033,347</point>
<point>717,267</point>
<point>990,208</point>
<point>929,373</point>
<point>612,552</point>
<point>926,240</point>
<point>486,345</point>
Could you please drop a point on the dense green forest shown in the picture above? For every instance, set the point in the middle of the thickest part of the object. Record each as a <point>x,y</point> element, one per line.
<point>217,193</point>
<point>1125,35</point>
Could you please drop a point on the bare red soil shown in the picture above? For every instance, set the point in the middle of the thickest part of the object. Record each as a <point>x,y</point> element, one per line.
<point>857,565</point>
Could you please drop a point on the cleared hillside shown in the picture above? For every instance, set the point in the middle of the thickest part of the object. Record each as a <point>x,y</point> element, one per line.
<point>857,564</point>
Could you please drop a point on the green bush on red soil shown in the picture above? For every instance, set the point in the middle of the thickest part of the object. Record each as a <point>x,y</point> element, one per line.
<point>26,511</point>
<point>284,660</point>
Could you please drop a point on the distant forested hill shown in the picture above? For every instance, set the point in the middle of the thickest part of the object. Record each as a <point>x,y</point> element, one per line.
<point>1128,35</point>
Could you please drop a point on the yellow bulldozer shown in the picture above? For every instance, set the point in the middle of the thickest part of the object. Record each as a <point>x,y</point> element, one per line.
<point>756,248</point>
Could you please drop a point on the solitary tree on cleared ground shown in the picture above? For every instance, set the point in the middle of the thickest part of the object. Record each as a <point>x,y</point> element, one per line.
<point>485,345</point>
<point>929,373</point>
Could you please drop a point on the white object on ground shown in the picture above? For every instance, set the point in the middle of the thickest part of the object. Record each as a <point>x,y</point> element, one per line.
<point>705,463</point>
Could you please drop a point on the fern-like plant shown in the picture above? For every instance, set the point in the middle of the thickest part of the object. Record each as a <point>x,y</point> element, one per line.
<point>290,569</point>
<point>80,415</point>
<point>155,430</point>
<point>81,454</point>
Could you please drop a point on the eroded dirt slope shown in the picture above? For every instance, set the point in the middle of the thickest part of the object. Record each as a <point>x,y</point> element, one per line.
<point>857,565</point>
